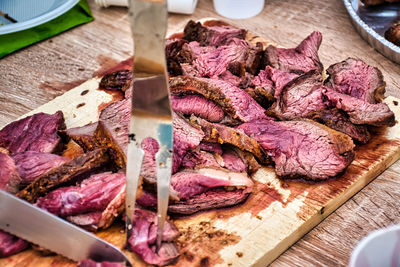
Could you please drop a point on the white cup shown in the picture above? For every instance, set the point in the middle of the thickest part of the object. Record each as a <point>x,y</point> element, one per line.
<point>238,9</point>
<point>380,248</point>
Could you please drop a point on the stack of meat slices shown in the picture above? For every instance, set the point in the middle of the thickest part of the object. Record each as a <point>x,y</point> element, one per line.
<point>237,106</point>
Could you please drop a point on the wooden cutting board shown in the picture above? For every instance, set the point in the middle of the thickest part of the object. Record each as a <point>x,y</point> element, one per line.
<point>275,216</point>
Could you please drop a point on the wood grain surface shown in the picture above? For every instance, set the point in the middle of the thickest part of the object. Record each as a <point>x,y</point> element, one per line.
<point>35,75</point>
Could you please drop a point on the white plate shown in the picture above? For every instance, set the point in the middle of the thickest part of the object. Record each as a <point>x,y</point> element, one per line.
<point>30,13</point>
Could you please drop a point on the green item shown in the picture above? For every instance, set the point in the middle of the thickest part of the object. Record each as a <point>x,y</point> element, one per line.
<point>77,15</point>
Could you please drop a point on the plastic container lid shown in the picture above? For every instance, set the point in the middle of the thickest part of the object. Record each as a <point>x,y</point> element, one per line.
<point>30,13</point>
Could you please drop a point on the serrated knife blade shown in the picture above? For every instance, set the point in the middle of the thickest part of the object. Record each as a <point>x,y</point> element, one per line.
<point>42,228</point>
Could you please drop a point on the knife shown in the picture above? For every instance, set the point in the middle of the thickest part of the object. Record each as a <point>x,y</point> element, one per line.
<point>151,107</point>
<point>40,227</point>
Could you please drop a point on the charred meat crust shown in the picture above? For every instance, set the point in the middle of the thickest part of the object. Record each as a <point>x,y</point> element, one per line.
<point>64,173</point>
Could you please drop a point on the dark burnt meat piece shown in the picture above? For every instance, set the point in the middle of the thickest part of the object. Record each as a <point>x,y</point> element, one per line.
<point>67,172</point>
<point>356,78</point>
<point>393,34</point>
<point>118,80</point>
<point>302,148</point>
<point>84,135</point>
<point>175,55</point>
<point>10,179</point>
<point>10,245</point>
<point>301,59</point>
<point>143,239</point>
<point>32,164</point>
<point>211,36</point>
<point>113,130</point>
<point>38,132</point>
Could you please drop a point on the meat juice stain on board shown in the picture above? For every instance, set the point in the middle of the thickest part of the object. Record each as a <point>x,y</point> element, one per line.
<point>60,88</point>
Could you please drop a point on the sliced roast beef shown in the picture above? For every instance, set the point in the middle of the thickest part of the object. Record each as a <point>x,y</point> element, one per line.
<point>10,179</point>
<point>359,111</point>
<point>232,99</point>
<point>211,36</point>
<point>199,106</point>
<point>143,239</point>
<point>113,129</point>
<point>301,59</point>
<point>10,244</point>
<point>186,136</point>
<point>211,147</point>
<point>356,78</point>
<point>200,159</point>
<point>32,164</point>
<point>339,121</point>
<point>302,148</point>
<point>84,135</point>
<point>94,194</point>
<point>175,55</point>
<point>38,132</point>
<point>72,150</point>
<point>267,85</point>
<point>117,81</point>
<point>215,132</point>
<point>300,97</point>
<point>203,189</point>
<point>67,172</point>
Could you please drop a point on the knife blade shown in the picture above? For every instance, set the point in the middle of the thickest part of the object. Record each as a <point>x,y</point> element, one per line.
<point>151,115</point>
<point>40,227</point>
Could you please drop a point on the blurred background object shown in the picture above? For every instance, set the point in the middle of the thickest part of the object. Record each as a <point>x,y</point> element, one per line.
<point>380,248</point>
<point>238,9</point>
<point>38,20</point>
<point>174,6</point>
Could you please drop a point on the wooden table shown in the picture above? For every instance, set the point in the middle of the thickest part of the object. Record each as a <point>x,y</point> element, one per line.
<point>37,74</point>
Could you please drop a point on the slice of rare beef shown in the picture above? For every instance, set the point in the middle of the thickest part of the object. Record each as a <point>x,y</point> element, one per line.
<point>339,121</point>
<point>103,193</point>
<point>233,100</point>
<point>299,97</point>
<point>38,132</point>
<point>32,164</point>
<point>267,85</point>
<point>359,111</point>
<point>356,78</point>
<point>10,179</point>
<point>113,129</point>
<point>84,135</point>
<point>301,59</point>
<point>203,189</point>
<point>67,172</point>
<point>215,132</point>
<point>211,36</point>
<point>117,81</point>
<point>175,55</point>
<point>199,106</point>
<point>302,148</point>
<point>186,136</point>
<point>143,239</point>
<point>10,244</point>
